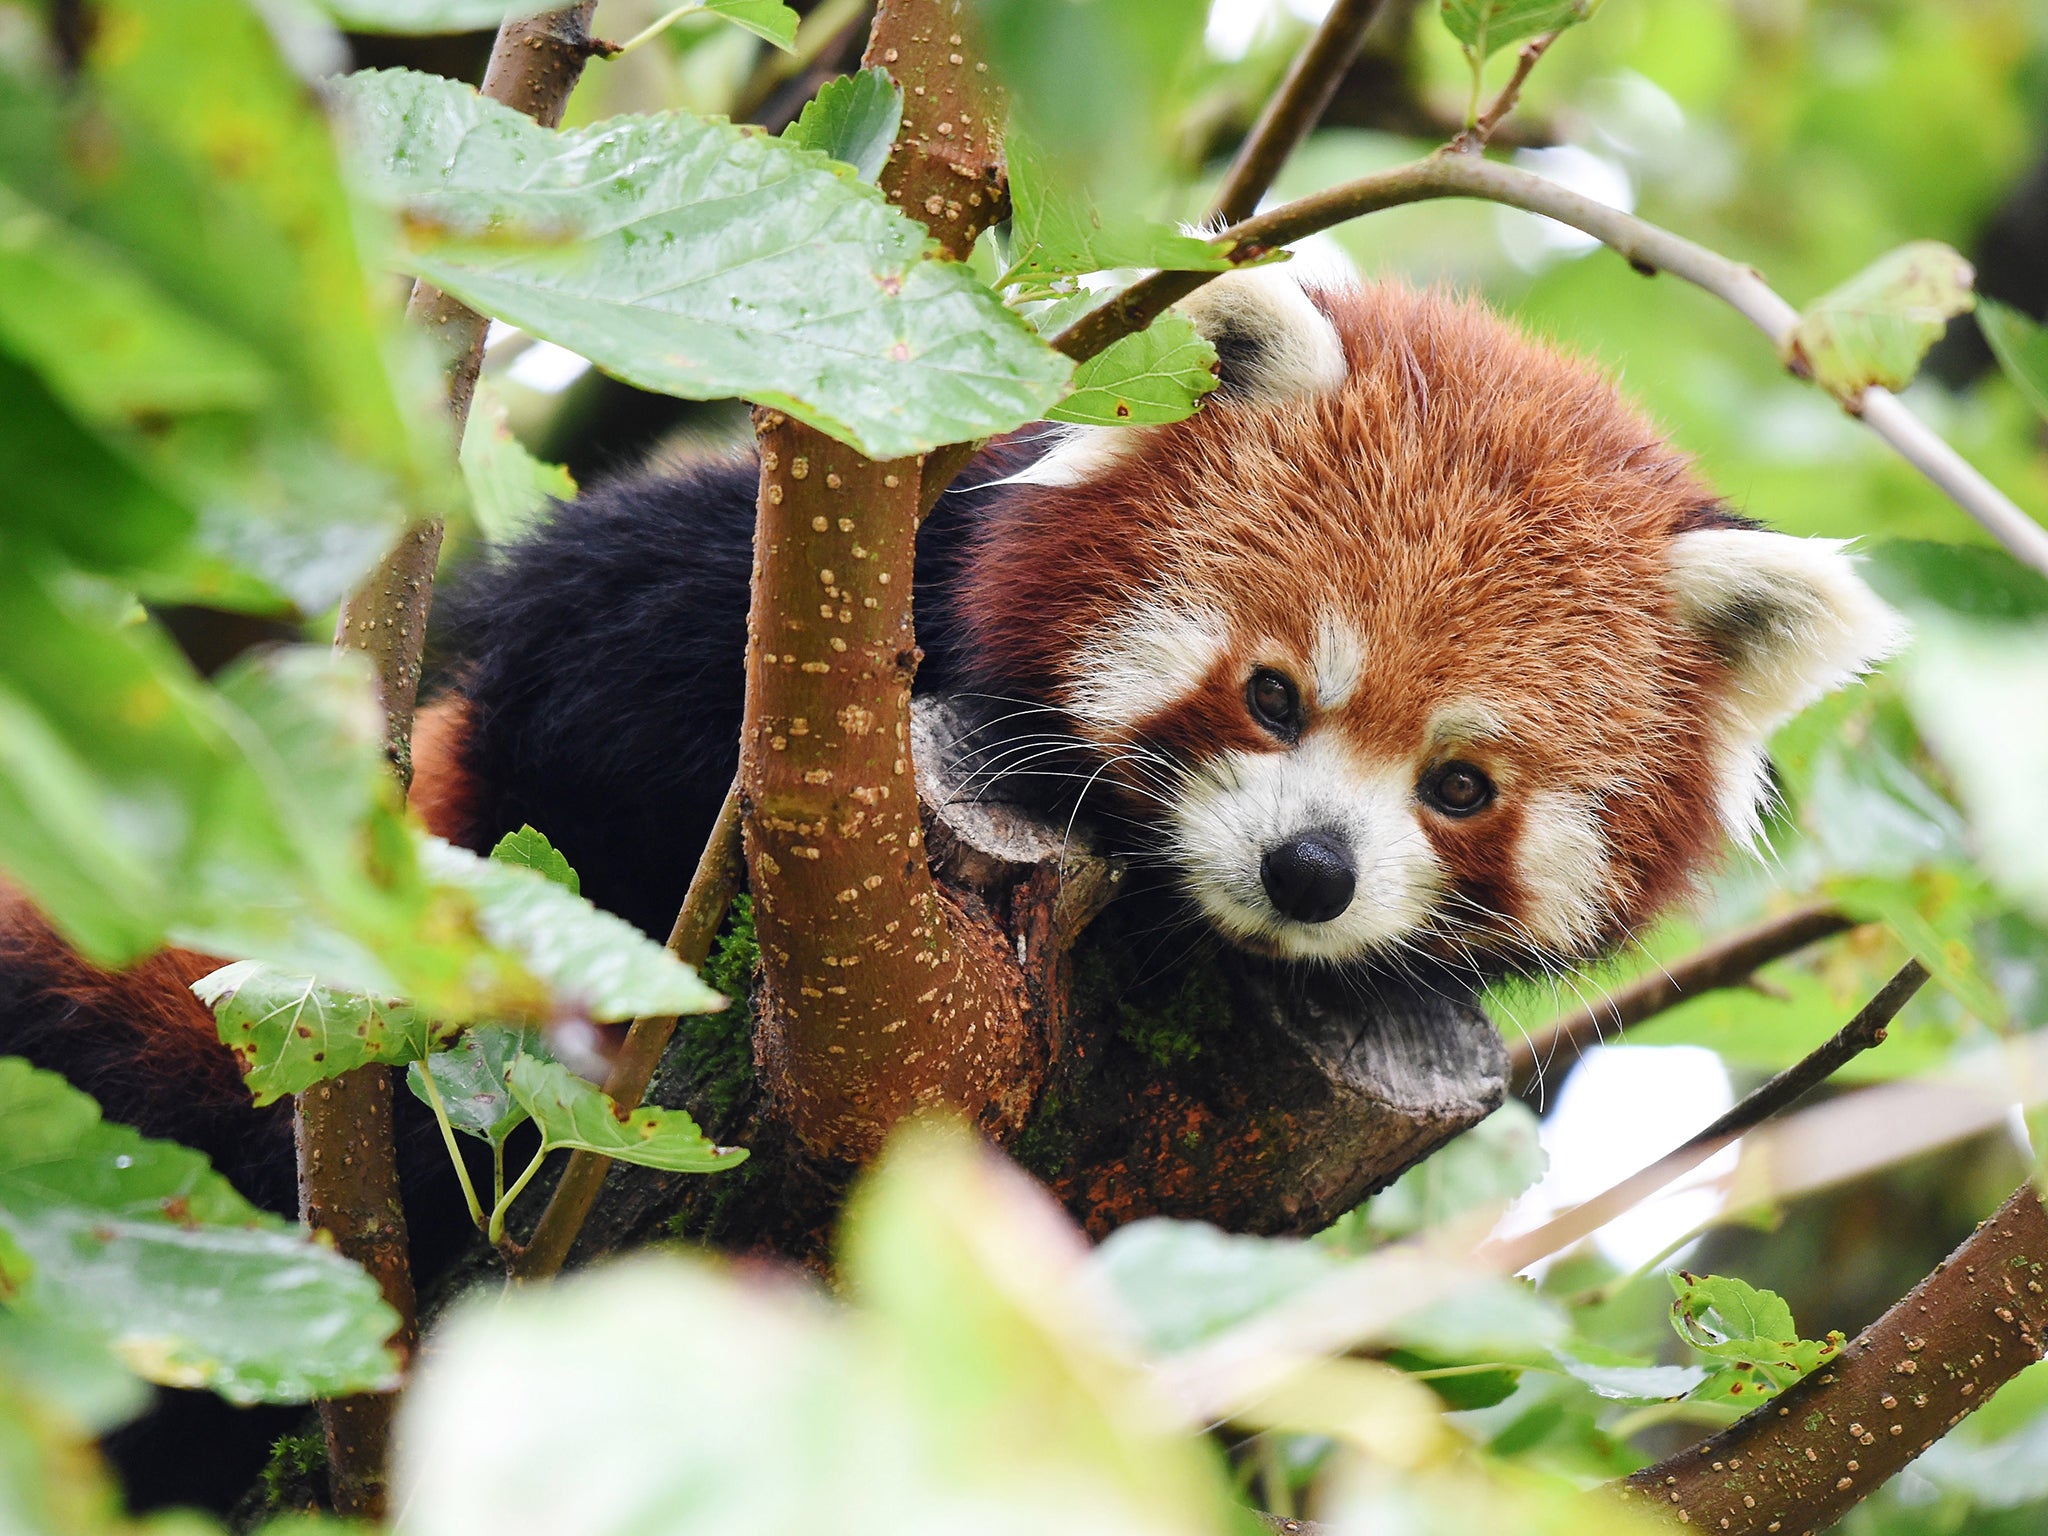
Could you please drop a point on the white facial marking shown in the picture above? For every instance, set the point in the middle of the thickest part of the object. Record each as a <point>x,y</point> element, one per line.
<point>1795,621</point>
<point>1153,655</point>
<point>1242,804</point>
<point>1290,348</point>
<point>1561,858</point>
<point>1337,662</point>
<point>1465,720</point>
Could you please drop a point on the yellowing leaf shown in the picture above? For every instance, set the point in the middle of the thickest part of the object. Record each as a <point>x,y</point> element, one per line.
<point>1875,328</point>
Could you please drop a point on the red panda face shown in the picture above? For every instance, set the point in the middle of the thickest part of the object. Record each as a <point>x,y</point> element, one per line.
<point>1414,638</point>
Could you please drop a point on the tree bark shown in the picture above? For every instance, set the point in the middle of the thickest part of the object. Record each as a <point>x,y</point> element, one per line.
<point>1803,1460</point>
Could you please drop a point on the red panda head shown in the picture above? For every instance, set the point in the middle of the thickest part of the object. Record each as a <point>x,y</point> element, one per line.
<point>1415,637</point>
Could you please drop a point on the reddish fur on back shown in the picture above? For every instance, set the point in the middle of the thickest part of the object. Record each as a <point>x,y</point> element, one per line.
<point>443,793</point>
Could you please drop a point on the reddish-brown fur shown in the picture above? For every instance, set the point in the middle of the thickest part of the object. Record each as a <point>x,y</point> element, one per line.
<point>443,793</point>
<point>1492,518</point>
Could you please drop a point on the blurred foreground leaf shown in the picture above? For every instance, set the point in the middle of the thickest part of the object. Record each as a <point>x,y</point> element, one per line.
<point>144,1244</point>
<point>2021,344</point>
<point>699,259</point>
<point>1875,328</point>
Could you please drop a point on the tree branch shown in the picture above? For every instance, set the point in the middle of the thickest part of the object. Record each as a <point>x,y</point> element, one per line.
<point>1802,1460</point>
<point>1645,247</point>
<point>720,870</point>
<point>1471,140</point>
<point>1293,109</point>
<point>348,1175</point>
<point>1727,962</point>
<point>1862,1032</point>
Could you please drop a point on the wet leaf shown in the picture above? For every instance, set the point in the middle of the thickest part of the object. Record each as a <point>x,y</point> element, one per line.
<point>852,120</point>
<point>1875,328</point>
<point>143,1244</point>
<point>699,259</point>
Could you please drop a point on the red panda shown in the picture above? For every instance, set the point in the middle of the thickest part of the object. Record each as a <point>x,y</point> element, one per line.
<point>1414,642</point>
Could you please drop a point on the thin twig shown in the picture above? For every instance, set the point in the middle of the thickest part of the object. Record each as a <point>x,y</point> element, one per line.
<point>1645,247</point>
<point>1799,1462</point>
<point>1729,961</point>
<point>1472,140</point>
<point>1867,1029</point>
<point>719,872</point>
<point>1294,108</point>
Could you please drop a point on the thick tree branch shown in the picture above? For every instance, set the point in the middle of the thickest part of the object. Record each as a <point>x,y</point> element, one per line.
<point>348,1175</point>
<point>720,871</point>
<point>1645,247</point>
<point>1294,109</point>
<point>946,169</point>
<point>1730,961</point>
<point>1860,1034</point>
<point>1802,1460</point>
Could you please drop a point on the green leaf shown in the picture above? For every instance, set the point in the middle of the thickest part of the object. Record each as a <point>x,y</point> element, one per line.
<point>1976,692</point>
<point>510,490</point>
<point>142,1243</point>
<point>571,1113</point>
<point>1493,1162</point>
<point>289,1032</point>
<point>1156,376</point>
<point>1636,1383</point>
<point>769,19</point>
<point>1748,1332</point>
<point>598,966</point>
<point>1968,581</point>
<point>1484,27</point>
<point>190,289</point>
<point>853,120</point>
<point>427,16</point>
<point>1875,328</point>
<point>2021,346</point>
<point>699,259</point>
<point>471,1078</point>
<point>1057,230</point>
<point>70,1368</point>
<point>1182,1282</point>
<point>530,850</point>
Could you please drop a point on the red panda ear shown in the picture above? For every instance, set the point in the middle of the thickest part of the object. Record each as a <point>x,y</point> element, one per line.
<point>1272,342</point>
<point>1790,615</point>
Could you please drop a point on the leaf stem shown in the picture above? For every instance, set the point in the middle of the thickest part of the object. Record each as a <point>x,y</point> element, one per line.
<point>496,1230</point>
<point>1479,129</point>
<point>648,33</point>
<point>476,1210</point>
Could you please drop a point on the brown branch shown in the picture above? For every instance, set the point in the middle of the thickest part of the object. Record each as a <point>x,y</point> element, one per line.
<point>1729,961</point>
<point>720,869</point>
<point>946,169</point>
<point>1802,1460</point>
<point>1860,1034</point>
<point>1472,140</point>
<point>348,1175</point>
<point>1645,247</point>
<point>1293,109</point>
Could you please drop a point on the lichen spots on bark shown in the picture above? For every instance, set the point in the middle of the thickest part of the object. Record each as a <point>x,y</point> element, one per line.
<point>884,994</point>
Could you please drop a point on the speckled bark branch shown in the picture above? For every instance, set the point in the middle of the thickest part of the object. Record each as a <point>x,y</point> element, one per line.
<point>348,1175</point>
<point>947,166</point>
<point>1800,1462</point>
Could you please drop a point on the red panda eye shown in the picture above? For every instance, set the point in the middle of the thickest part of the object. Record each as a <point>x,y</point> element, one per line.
<point>1457,789</point>
<point>1274,702</point>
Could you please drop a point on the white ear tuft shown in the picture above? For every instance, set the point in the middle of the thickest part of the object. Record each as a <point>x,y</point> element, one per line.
<point>1271,341</point>
<point>1791,616</point>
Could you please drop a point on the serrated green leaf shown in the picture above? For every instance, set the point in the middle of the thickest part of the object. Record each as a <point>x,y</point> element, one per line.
<point>471,1079</point>
<point>1748,1332</point>
<point>769,19</point>
<point>853,120</point>
<point>141,1242</point>
<point>595,964</point>
<point>1484,27</point>
<point>1056,230</point>
<point>699,259</point>
<point>531,850</point>
<point>510,491</point>
<point>2021,346</point>
<point>573,1114</point>
<point>206,240</point>
<point>289,1032</point>
<point>1157,376</point>
<point>1875,328</point>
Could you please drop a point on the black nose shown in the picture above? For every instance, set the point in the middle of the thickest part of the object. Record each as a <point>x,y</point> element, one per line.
<point>1309,877</point>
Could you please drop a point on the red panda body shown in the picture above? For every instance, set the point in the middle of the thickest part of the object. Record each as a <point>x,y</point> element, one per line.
<point>1416,642</point>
